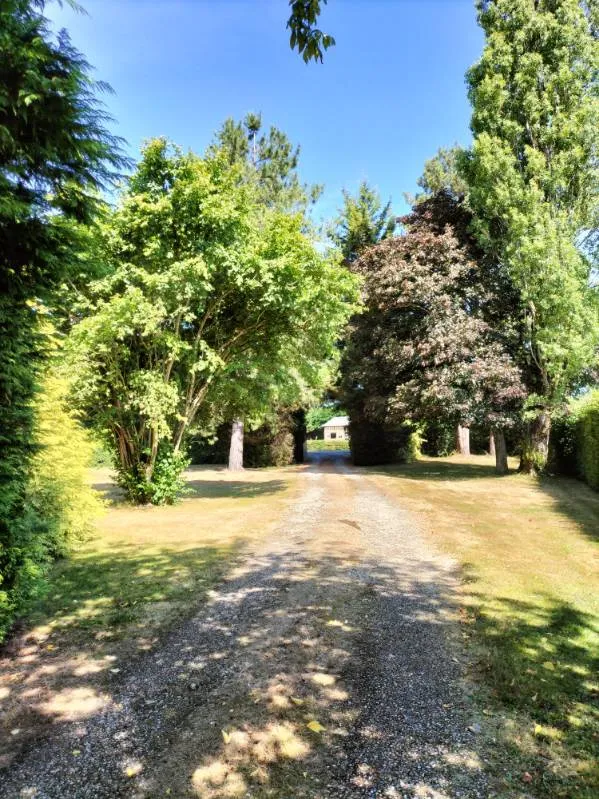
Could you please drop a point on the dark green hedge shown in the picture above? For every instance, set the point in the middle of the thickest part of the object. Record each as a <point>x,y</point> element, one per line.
<point>574,444</point>
<point>374,444</point>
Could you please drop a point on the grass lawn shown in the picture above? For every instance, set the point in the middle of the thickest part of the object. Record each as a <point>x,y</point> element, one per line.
<point>528,551</point>
<point>143,569</point>
<point>336,445</point>
<point>143,565</point>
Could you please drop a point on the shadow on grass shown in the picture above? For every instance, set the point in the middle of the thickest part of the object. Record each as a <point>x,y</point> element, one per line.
<point>199,488</point>
<point>441,470</point>
<point>576,500</point>
<point>540,660</point>
<point>106,590</point>
<point>233,489</point>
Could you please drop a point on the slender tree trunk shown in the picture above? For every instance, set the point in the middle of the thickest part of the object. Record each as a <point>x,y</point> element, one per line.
<point>299,435</point>
<point>236,448</point>
<point>491,443</point>
<point>463,440</point>
<point>153,455</point>
<point>535,447</point>
<point>500,450</point>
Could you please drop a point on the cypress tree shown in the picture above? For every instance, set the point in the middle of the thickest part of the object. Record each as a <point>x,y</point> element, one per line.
<point>55,156</point>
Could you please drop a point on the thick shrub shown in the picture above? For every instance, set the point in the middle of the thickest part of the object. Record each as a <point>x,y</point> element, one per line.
<point>562,446</point>
<point>587,440</point>
<point>60,505</point>
<point>167,483</point>
<point>574,443</point>
<point>373,443</point>
<point>59,488</point>
<point>439,438</point>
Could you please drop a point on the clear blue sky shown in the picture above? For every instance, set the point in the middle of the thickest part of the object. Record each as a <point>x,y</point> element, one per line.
<point>387,96</point>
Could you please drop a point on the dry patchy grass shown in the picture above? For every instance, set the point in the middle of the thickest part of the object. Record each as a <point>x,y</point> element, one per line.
<point>530,610</point>
<point>143,569</point>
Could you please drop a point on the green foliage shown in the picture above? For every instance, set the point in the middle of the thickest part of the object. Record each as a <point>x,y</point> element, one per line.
<point>211,301</point>
<point>58,489</point>
<point>533,178</point>
<point>271,444</point>
<point>55,153</point>
<point>305,37</point>
<point>443,173</point>
<point>60,504</point>
<point>439,437</point>
<point>587,439</point>
<point>575,440</point>
<point>268,162</point>
<point>165,484</point>
<point>362,221</point>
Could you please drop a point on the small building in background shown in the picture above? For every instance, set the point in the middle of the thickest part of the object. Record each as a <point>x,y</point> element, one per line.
<point>336,428</point>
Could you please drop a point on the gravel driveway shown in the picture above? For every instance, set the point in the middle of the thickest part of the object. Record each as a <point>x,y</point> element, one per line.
<point>325,665</point>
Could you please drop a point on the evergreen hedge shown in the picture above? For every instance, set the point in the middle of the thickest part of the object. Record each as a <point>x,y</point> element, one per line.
<point>575,441</point>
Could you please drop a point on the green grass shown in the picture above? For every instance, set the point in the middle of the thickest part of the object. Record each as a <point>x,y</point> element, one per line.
<point>336,445</point>
<point>109,587</point>
<point>530,612</point>
<point>143,567</point>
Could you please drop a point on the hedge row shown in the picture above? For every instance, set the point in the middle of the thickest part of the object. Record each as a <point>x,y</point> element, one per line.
<point>575,441</point>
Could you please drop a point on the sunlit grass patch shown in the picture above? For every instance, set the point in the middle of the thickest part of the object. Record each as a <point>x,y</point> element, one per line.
<point>143,566</point>
<point>107,586</point>
<point>528,551</point>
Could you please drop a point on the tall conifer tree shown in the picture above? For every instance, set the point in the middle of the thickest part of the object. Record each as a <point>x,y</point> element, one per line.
<point>55,153</point>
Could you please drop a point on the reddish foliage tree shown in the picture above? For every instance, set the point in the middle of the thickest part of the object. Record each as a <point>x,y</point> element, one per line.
<point>426,346</point>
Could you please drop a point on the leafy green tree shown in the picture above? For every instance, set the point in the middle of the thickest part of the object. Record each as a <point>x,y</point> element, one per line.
<point>362,221</point>
<point>533,181</point>
<point>55,153</point>
<point>268,163</point>
<point>443,172</point>
<point>305,37</point>
<point>268,160</point>
<point>205,286</point>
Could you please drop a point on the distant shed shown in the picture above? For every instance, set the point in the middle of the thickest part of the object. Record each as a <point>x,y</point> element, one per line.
<point>336,428</point>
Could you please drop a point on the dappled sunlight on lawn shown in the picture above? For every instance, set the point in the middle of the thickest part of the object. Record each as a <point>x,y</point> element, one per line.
<point>143,569</point>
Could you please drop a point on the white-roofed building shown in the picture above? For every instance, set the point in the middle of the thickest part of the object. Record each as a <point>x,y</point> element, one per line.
<point>336,428</point>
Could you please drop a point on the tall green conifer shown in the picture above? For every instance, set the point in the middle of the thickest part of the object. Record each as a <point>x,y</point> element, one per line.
<point>55,153</point>
<point>533,182</point>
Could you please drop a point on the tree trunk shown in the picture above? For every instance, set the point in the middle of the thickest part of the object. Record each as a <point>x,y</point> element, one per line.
<point>236,448</point>
<point>463,440</point>
<point>299,435</point>
<point>535,447</point>
<point>500,450</point>
<point>491,443</point>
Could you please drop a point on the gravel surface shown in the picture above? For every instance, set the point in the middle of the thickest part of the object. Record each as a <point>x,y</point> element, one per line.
<point>325,665</point>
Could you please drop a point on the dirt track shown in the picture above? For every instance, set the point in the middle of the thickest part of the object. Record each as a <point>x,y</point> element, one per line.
<point>325,665</point>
